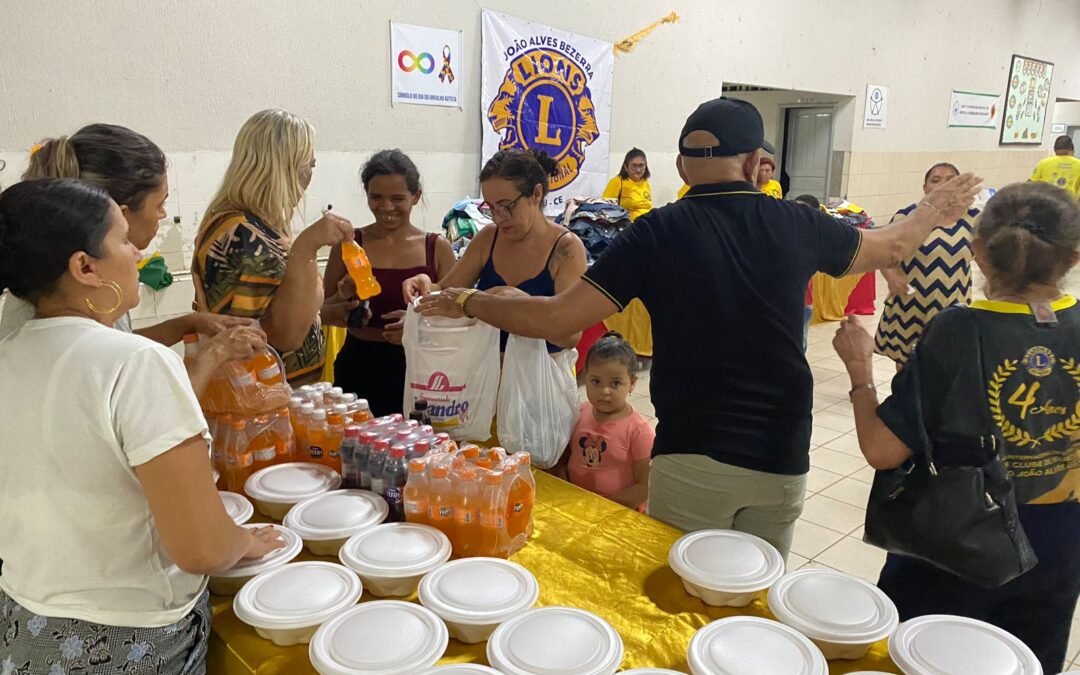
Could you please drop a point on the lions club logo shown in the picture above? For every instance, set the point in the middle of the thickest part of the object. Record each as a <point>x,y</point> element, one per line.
<point>544,103</point>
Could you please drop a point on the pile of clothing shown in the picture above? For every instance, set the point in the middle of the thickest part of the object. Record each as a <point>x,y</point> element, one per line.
<point>596,222</point>
<point>463,221</point>
<point>849,213</point>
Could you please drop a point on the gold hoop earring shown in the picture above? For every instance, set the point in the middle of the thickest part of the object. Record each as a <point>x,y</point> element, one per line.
<point>115,287</point>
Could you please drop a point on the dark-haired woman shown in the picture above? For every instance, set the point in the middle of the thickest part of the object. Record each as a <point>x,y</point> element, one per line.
<point>111,520</point>
<point>372,361</point>
<point>524,252</point>
<point>1028,336</point>
<point>132,170</point>
<point>935,277</point>
<point>631,187</point>
<point>611,446</point>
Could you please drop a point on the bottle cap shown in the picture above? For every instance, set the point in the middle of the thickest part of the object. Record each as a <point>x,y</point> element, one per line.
<point>337,391</point>
<point>367,437</point>
<point>382,445</point>
<point>416,466</point>
<point>307,408</point>
<point>421,447</point>
<point>352,431</point>
<point>468,473</point>
<point>319,414</point>
<point>239,425</point>
<point>348,398</point>
<point>191,338</point>
<point>403,434</point>
<point>398,451</point>
<point>493,478</point>
<point>341,409</point>
<point>362,402</point>
<point>471,452</point>
<point>440,471</point>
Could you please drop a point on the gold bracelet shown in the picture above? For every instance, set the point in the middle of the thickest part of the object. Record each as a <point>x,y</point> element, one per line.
<point>860,387</point>
<point>933,208</point>
<point>463,299</point>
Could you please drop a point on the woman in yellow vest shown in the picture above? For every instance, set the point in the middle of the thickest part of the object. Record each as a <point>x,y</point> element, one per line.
<point>631,189</point>
<point>631,186</point>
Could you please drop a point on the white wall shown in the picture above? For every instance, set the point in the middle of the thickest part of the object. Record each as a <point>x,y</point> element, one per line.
<point>1067,112</point>
<point>188,73</point>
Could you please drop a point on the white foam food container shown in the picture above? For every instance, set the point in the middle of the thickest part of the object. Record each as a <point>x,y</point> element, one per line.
<point>277,488</point>
<point>750,645</point>
<point>474,595</point>
<point>555,641</point>
<point>725,567</point>
<point>326,521</point>
<point>392,558</point>
<point>939,644</point>
<point>286,604</point>
<point>388,637</point>
<point>233,579</point>
<point>843,615</point>
<point>237,506</point>
<point>462,669</point>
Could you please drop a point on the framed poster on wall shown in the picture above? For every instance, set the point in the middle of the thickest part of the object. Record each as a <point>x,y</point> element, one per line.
<point>1027,99</point>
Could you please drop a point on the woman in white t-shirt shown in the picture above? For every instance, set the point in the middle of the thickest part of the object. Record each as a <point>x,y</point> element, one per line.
<point>132,169</point>
<point>110,516</point>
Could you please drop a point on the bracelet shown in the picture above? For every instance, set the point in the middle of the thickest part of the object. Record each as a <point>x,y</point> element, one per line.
<point>930,206</point>
<point>860,387</point>
<point>463,299</point>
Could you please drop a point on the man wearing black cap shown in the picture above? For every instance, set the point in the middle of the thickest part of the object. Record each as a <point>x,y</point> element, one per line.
<point>723,272</point>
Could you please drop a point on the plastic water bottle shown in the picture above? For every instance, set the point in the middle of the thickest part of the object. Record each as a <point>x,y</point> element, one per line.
<point>377,463</point>
<point>419,449</point>
<point>395,475</point>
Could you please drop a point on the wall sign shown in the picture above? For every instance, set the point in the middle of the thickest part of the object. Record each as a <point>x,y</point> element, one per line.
<point>425,65</point>
<point>974,111</point>
<point>1026,101</point>
<point>877,107</point>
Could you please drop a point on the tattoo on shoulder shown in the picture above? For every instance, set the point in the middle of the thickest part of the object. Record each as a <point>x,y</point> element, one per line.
<point>563,252</point>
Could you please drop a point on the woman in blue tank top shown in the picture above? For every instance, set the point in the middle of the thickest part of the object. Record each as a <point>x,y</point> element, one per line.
<point>524,252</point>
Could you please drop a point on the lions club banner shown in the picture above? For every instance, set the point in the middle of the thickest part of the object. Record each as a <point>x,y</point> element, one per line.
<point>425,65</point>
<point>548,89</point>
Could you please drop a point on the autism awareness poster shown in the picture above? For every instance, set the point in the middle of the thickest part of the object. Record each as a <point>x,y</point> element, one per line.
<point>1027,99</point>
<point>548,89</point>
<point>425,65</point>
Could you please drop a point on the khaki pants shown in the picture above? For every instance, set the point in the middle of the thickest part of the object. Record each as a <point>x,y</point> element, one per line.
<point>694,492</point>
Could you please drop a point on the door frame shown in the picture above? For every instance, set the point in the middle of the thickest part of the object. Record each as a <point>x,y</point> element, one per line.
<point>782,151</point>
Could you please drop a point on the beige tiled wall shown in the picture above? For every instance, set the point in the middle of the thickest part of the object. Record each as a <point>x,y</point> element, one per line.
<point>882,182</point>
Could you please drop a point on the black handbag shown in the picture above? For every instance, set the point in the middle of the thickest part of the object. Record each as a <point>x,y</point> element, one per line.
<point>961,519</point>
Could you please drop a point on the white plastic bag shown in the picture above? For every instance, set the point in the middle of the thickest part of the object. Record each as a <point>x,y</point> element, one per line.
<point>538,400</point>
<point>453,364</point>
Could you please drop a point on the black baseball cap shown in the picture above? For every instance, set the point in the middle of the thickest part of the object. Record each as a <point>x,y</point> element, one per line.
<point>735,122</point>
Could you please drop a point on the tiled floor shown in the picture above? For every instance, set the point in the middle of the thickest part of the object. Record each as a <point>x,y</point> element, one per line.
<point>829,533</point>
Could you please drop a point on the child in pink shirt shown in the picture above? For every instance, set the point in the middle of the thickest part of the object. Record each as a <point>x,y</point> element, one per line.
<point>611,446</point>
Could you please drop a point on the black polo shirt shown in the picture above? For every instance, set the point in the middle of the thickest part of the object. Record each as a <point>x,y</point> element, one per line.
<point>723,272</point>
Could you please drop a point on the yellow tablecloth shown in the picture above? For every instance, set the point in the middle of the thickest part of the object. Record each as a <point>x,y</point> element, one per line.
<point>586,552</point>
<point>635,324</point>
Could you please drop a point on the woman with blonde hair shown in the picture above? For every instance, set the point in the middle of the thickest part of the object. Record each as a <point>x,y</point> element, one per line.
<point>247,263</point>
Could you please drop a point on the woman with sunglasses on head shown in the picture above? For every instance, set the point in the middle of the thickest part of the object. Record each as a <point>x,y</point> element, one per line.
<point>524,253</point>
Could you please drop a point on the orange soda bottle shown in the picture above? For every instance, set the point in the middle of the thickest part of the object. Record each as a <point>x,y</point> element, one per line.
<point>238,459</point>
<point>261,446</point>
<point>519,502</point>
<point>283,436</point>
<point>416,493</point>
<point>317,433</point>
<point>493,516</point>
<point>471,453</point>
<point>485,463</point>
<point>335,422</point>
<point>359,268</point>
<point>466,533</point>
<point>441,499</point>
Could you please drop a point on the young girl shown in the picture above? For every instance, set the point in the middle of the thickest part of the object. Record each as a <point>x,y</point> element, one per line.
<point>610,448</point>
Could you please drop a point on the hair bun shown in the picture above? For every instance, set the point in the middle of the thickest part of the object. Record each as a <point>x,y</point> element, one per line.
<point>549,165</point>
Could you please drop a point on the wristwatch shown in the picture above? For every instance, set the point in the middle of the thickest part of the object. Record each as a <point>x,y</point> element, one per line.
<point>463,298</point>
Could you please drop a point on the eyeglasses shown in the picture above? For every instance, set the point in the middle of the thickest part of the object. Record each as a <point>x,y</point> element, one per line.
<point>501,211</point>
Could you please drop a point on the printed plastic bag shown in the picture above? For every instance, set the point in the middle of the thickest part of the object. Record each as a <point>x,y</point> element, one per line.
<point>453,364</point>
<point>538,400</point>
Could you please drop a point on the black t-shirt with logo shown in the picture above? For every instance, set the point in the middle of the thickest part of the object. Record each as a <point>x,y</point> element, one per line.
<point>1027,384</point>
<point>723,272</point>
